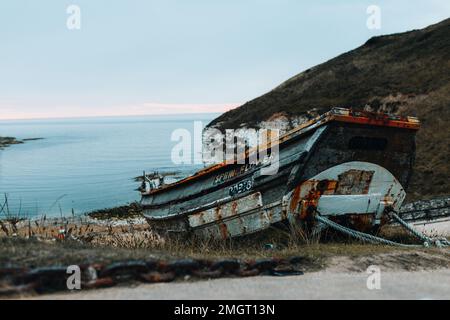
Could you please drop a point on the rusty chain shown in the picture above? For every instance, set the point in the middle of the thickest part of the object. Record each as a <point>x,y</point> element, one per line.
<point>51,279</point>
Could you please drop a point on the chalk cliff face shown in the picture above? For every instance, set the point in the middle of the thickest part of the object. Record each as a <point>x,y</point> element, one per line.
<point>406,73</point>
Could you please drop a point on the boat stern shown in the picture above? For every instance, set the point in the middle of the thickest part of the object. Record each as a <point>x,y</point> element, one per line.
<point>360,192</point>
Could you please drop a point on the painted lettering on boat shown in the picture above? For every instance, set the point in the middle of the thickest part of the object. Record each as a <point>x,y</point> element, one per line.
<point>223,177</point>
<point>241,187</point>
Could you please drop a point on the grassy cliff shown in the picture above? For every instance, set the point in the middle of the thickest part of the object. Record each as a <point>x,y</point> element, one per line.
<point>406,73</point>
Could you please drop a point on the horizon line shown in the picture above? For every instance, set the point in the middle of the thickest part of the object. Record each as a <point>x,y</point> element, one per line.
<point>136,110</point>
<point>107,116</point>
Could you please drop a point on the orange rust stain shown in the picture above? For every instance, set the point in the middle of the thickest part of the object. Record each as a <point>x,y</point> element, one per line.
<point>315,191</point>
<point>330,187</point>
<point>378,122</point>
<point>361,222</point>
<point>310,200</point>
<point>234,208</point>
<point>223,230</point>
<point>295,198</point>
<point>217,213</point>
<point>270,215</point>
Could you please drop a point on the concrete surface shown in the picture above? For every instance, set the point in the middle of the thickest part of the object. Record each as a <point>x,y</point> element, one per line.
<point>319,285</point>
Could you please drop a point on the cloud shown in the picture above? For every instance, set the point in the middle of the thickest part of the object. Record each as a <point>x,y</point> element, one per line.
<point>17,111</point>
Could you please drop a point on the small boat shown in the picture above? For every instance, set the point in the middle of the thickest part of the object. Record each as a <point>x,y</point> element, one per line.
<point>431,216</point>
<point>352,167</point>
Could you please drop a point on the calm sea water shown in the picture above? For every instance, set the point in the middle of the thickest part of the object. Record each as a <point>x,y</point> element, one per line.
<point>85,164</point>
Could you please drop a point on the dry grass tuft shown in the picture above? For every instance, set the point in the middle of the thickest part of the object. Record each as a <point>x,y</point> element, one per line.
<point>130,240</point>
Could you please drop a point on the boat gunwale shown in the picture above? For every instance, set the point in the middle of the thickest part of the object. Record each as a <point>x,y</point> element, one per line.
<point>282,173</point>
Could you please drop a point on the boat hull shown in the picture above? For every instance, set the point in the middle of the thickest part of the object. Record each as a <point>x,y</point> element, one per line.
<point>345,170</point>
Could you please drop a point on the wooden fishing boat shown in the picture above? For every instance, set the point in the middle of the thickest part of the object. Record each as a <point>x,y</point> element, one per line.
<point>350,166</point>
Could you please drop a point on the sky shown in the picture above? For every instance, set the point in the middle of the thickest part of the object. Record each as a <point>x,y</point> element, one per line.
<point>135,57</point>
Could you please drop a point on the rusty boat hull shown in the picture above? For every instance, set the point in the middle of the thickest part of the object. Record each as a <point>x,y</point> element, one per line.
<point>352,166</point>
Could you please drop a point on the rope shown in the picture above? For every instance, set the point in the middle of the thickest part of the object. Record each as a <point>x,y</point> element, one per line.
<point>359,235</point>
<point>438,242</point>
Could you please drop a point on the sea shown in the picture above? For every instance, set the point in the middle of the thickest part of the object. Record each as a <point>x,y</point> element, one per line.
<point>84,164</point>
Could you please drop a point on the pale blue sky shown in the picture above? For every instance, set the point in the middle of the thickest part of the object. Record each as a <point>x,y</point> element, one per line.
<point>144,57</point>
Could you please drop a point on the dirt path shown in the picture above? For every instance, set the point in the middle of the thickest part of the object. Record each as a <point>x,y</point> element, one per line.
<point>317,285</point>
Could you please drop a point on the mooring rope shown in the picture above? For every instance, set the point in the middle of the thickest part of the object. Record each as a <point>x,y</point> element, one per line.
<point>427,241</point>
<point>359,235</point>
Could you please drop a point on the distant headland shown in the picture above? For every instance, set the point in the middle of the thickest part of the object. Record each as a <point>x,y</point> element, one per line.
<point>8,141</point>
